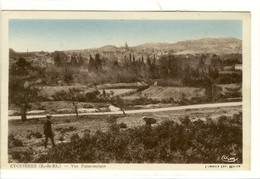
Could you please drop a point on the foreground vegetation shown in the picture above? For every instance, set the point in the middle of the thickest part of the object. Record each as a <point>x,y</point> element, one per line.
<point>169,142</point>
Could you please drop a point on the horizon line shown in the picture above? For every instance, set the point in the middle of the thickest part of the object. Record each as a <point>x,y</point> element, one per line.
<point>92,48</point>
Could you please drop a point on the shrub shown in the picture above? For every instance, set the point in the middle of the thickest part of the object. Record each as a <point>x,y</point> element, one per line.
<point>186,121</point>
<point>11,137</point>
<point>222,119</point>
<point>74,138</point>
<point>58,128</point>
<point>22,154</point>
<point>142,101</point>
<point>12,141</point>
<point>37,135</point>
<point>168,142</point>
<point>61,138</point>
<point>149,120</point>
<point>111,119</point>
<point>114,128</point>
<point>122,125</point>
<point>41,107</point>
<point>16,156</point>
<point>67,121</point>
<point>67,129</point>
<point>33,134</point>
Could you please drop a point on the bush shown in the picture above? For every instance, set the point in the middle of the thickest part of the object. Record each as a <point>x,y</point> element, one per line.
<point>149,120</point>
<point>142,101</point>
<point>122,125</point>
<point>37,135</point>
<point>75,137</point>
<point>66,129</point>
<point>67,121</point>
<point>61,138</point>
<point>186,121</point>
<point>111,119</point>
<point>16,156</point>
<point>31,134</point>
<point>12,141</point>
<point>114,128</point>
<point>21,154</point>
<point>168,142</point>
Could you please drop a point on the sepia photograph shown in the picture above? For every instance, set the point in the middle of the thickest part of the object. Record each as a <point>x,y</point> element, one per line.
<point>129,88</point>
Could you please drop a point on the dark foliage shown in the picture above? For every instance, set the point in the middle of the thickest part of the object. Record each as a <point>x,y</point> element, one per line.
<point>122,125</point>
<point>14,142</point>
<point>66,129</point>
<point>34,134</point>
<point>169,142</point>
<point>23,85</point>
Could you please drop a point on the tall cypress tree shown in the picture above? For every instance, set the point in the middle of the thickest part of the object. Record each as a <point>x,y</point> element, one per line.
<point>98,64</point>
<point>91,64</point>
<point>80,60</point>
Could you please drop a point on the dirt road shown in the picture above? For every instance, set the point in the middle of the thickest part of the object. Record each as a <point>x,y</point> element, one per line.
<point>197,106</point>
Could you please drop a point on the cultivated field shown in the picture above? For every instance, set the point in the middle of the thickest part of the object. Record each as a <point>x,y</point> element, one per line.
<point>176,93</point>
<point>224,88</point>
<point>49,91</point>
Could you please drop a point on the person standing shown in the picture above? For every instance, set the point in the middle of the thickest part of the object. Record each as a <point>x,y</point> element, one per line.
<point>48,131</point>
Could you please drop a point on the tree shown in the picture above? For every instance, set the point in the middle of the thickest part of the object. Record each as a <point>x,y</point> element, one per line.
<point>91,64</point>
<point>23,86</point>
<point>80,60</point>
<point>72,96</point>
<point>98,64</point>
<point>73,61</point>
<point>22,93</point>
<point>68,76</point>
<point>59,57</point>
<point>118,102</point>
<point>57,60</point>
<point>115,100</point>
<point>207,84</point>
<point>168,67</point>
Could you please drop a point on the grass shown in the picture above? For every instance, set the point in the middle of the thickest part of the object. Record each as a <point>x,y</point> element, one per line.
<point>54,105</point>
<point>95,123</point>
<point>49,91</point>
<point>91,122</point>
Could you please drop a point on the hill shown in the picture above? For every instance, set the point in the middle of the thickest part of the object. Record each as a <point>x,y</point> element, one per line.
<point>218,46</point>
<point>206,45</point>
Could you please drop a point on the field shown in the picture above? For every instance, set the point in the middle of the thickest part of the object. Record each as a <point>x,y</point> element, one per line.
<point>176,93</point>
<point>66,129</point>
<point>152,97</point>
<point>223,89</point>
<point>61,107</point>
<point>49,91</point>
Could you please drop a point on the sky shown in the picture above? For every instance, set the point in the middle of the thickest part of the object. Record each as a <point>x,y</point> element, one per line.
<point>51,35</point>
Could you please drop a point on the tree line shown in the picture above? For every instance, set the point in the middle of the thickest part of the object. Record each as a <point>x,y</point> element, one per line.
<point>26,79</point>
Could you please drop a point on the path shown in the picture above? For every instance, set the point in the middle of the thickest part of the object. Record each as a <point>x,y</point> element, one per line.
<point>175,108</point>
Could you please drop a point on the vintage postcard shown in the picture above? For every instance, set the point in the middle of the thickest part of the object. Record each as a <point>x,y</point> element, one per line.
<point>125,90</point>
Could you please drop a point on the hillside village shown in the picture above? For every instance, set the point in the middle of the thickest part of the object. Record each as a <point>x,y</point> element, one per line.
<point>175,73</point>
